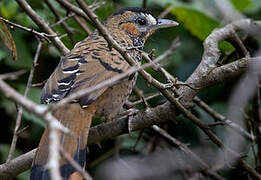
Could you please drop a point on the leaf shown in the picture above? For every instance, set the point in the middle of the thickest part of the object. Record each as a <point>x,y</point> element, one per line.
<point>25,59</point>
<point>196,22</point>
<point>241,5</point>
<point>34,95</point>
<point>32,118</point>
<point>34,92</point>
<point>225,46</point>
<point>7,38</point>
<point>8,9</point>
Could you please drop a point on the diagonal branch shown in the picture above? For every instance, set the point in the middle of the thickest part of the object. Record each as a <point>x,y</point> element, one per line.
<point>43,25</point>
<point>20,109</point>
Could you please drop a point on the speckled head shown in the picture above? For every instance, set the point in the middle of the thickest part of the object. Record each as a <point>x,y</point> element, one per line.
<point>136,23</point>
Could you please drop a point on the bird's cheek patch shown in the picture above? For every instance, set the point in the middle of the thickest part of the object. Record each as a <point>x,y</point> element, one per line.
<point>131,28</point>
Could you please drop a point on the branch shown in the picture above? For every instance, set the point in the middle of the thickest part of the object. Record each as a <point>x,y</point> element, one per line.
<point>30,30</point>
<point>20,109</point>
<point>223,119</point>
<point>151,116</point>
<point>200,77</point>
<point>68,30</point>
<point>54,125</point>
<point>17,165</point>
<point>74,164</point>
<point>203,166</point>
<point>43,25</point>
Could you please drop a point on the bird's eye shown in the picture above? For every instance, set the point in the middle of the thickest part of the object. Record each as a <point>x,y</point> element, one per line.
<point>141,21</point>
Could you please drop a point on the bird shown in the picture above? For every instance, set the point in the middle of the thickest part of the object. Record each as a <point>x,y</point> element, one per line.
<point>89,63</point>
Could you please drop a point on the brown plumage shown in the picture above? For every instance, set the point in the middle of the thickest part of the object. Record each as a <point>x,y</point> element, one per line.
<point>90,62</point>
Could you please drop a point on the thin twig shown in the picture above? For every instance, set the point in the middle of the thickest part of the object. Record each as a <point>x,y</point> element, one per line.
<point>75,164</point>
<point>54,153</point>
<point>132,104</point>
<point>20,108</point>
<point>78,11</point>
<point>12,75</point>
<point>43,25</point>
<point>203,166</point>
<point>63,23</point>
<point>165,12</point>
<point>257,124</point>
<point>238,44</point>
<point>53,123</point>
<point>30,30</point>
<point>63,19</point>
<point>83,24</point>
<point>223,119</point>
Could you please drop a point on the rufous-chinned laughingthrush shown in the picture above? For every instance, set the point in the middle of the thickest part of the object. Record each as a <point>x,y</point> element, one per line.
<point>90,62</point>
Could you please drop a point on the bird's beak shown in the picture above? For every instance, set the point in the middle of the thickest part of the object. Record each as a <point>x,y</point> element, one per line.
<point>164,23</point>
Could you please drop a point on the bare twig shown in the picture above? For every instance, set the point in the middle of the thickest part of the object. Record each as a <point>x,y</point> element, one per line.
<point>210,57</point>
<point>238,44</point>
<point>17,165</point>
<point>132,104</point>
<point>257,124</point>
<point>223,119</point>
<point>12,75</point>
<point>40,111</point>
<point>43,25</point>
<point>75,164</point>
<point>63,23</point>
<point>20,109</point>
<point>30,30</point>
<point>203,166</point>
<point>165,12</point>
<point>74,9</point>
<point>54,155</point>
<point>82,23</point>
<point>63,19</point>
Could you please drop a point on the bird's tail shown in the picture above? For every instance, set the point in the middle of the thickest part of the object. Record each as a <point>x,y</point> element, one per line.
<point>78,121</point>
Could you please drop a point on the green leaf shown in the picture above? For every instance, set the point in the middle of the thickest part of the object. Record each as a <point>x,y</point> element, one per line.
<point>31,117</point>
<point>25,57</point>
<point>2,54</point>
<point>196,22</point>
<point>34,93</point>
<point>225,46</point>
<point>8,9</point>
<point>241,5</point>
<point>24,176</point>
<point>8,106</point>
<point>4,151</point>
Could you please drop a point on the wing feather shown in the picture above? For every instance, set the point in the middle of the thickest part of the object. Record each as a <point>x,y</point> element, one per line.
<point>85,66</point>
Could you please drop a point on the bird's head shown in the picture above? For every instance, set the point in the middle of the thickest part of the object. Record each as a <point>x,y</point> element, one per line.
<point>135,24</point>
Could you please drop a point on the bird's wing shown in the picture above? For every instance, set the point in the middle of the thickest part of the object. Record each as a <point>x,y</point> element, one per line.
<point>88,64</point>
